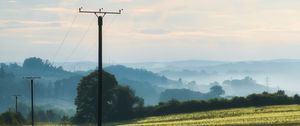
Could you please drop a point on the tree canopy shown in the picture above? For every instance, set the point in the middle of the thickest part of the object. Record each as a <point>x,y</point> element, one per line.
<point>118,102</point>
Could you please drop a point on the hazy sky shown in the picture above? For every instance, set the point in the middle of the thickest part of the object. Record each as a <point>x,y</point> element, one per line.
<point>151,30</point>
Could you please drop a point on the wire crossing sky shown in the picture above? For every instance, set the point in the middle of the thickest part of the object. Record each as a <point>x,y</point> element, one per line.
<point>156,30</point>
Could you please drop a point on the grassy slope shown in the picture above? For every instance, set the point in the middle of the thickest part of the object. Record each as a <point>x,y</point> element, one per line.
<point>269,115</point>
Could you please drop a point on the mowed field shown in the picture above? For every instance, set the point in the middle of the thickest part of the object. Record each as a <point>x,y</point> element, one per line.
<point>58,124</point>
<point>251,116</point>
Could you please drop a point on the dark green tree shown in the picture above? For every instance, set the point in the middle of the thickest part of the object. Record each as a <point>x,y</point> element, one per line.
<point>33,63</point>
<point>118,102</point>
<point>86,99</point>
<point>216,91</point>
<point>41,116</point>
<point>125,103</point>
<point>108,95</point>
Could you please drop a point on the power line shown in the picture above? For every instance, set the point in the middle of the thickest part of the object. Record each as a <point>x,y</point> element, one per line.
<point>62,42</point>
<point>78,43</point>
<point>89,52</point>
<point>66,35</point>
<point>110,23</point>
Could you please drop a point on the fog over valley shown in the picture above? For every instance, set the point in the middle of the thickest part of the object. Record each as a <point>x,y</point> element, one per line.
<point>153,81</point>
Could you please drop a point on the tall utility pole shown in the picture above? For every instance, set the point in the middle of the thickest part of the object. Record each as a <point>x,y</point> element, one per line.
<point>100,14</point>
<point>31,86</point>
<point>16,96</point>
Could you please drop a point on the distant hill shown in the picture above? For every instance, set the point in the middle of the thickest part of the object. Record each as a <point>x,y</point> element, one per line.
<point>283,73</point>
<point>122,72</point>
<point>77,66</point>
<point>276,65</point>
<point>155,87</point>
<point>146,84</point>
<point>174,65</point>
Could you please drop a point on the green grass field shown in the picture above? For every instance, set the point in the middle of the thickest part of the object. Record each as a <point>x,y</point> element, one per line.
<point>251,116</point>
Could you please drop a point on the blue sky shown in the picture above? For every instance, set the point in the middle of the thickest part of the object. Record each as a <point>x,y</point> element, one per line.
<point>156,30</point>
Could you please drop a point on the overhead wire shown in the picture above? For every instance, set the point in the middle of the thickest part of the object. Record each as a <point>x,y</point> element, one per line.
<point>62,42</point>
<point>90,51</point>
<point>66,35</point>
<point>78,43</point>
<point>106,29</point>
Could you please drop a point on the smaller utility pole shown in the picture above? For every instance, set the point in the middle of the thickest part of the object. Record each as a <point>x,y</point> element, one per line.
<point>31,78</point>
<point>16,96</point>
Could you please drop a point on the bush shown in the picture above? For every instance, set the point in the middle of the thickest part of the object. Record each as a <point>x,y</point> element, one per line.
<point>9,118</point>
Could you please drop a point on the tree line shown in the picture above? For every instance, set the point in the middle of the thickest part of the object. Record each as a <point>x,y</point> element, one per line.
<point>259,99</point>
<point>187,95</point>
<point>175,106</point>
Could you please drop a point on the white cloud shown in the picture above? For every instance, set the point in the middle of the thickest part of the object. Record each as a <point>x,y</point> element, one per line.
<point>122,1</point>
<point>44,42</point>
<point>57,10</point>
<point>12,1</point>
<point>166,24</point>
<point>28,24</point>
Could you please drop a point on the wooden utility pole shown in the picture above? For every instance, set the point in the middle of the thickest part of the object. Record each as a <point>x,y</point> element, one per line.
<point>31,78</point>
<point>16,96</point>
<point>100,14</point>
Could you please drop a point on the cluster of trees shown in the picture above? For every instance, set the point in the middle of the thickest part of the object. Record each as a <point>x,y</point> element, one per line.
<point>186,95</point>
<point>10,118</point>
<point>56,86</point>
<point>244,87</point>
<point>51,115</point>
<point>41,114</point>
<point>36,66</point>
<point>175,106</point>
<point>118,102</point>
<point>45,68</point>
